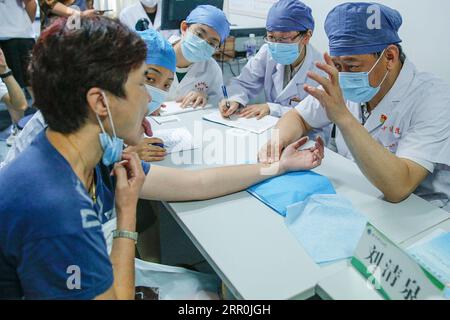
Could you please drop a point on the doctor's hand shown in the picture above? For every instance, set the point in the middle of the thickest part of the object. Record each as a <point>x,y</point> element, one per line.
<point>258,111</point>
<point>294,159</point>
<point>224,111</point>
<point>147,150</point>
<point>194,99</point>
<point>331,97</point>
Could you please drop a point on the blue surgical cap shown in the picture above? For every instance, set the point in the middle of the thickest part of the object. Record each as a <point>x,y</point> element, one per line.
<point>159,51</point>
<point>289,15</point>
<point>212,17</point>
<point>362,28</point>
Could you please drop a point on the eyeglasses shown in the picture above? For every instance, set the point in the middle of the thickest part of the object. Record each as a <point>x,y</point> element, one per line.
<point>202,35</point>
<point>269,38</point>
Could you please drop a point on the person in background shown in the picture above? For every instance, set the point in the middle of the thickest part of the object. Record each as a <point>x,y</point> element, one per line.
<point>11,95</point>
<point>161,63</point>
<point>199,78</point>
<point>143,15</point>
<point>53,9</point>
<point>75,177</point>
<point>390,118</point>
<point>280,67</point>
<point>16,42</point>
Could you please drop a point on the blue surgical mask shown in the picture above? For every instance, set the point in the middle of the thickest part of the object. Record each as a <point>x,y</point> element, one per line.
<point>158,98</point>
<point>356,85</point>
<point>112,146</point>
<point>195,49</point>
<point>284,53</point>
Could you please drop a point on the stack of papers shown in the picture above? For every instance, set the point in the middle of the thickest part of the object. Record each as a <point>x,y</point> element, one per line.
<point>434,256</point>
<point>176,140</point>
<point>252,125</point>
<point>173,108</point>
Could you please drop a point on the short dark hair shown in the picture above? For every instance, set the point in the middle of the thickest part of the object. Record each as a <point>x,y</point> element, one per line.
<point>67,62</point>
<point>402,54</point>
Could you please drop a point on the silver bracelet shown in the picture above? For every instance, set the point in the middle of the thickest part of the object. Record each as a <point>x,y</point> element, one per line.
<point>126,235</point>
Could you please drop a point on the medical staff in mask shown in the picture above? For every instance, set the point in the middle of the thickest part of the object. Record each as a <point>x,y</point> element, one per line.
<point>280,67</point>
<point>160,71</point>
<point>390,118</point>
<point>199,78</point>
<point>161,64</point>
<point>143,15</point>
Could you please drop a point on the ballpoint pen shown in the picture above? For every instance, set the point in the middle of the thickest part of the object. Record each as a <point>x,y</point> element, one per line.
<point>225,94</point>
<point>161,145</point>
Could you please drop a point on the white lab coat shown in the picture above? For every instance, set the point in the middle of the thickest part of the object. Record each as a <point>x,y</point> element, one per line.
<point>132,14</point>
<point>412,122</point>
<point>262,72</point>
<point>203,76</point>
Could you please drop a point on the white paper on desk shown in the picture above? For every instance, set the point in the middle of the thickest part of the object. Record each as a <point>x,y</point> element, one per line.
<point>162,120</point>
<point>173,108</point>
<point>176,140</point>
<point>253,125</point>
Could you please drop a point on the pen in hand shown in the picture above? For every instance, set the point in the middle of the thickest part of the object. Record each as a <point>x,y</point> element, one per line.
<point>161,145</point>
<point>225,94</point>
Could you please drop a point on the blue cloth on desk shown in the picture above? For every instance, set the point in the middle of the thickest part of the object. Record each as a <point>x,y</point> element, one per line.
<point>280,192</point>
<point>434,256</point>
<point>327,226</point>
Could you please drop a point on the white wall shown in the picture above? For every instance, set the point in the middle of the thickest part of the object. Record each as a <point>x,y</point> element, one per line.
<point>425,31</point>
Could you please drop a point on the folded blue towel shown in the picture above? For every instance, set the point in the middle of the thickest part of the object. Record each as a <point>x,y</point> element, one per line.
<point>280,192</point>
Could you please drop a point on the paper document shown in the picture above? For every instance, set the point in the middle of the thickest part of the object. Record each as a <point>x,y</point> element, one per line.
<point>176,140</point>
<point>162,120</point>
<point>252,125</point>
<point>173,108</point>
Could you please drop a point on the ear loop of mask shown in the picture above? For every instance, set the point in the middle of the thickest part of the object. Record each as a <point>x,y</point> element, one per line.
<point>109,116</point>
<point>387,73</point>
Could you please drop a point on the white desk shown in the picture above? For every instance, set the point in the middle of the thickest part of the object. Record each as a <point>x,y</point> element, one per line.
<point>251,249</point>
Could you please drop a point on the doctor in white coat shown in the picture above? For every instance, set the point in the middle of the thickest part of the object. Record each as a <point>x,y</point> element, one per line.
<point>280,67</point>
<point>199,78</point>
<point>143,15</point>
<point>390,118</point>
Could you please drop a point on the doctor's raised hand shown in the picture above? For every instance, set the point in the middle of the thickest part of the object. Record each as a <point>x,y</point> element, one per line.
<point>330,96</point>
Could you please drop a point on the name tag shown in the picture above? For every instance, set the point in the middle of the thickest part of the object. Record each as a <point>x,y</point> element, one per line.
<point>393,273</point>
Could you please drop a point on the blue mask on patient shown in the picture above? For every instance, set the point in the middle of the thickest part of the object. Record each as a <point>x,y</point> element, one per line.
<point>195,49</point>
<point>112,146</point>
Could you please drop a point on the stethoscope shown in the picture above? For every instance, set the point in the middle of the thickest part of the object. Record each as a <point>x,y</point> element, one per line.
<point>365,114</point>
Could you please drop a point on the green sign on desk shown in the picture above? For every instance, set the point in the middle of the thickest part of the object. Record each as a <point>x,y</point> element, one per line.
<point>391,271</point>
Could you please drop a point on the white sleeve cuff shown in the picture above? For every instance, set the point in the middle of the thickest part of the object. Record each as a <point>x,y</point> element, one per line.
<point>276,110</point>
<point>429,166</point>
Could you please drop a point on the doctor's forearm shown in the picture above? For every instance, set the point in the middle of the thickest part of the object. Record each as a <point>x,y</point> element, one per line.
<point>387,172</point>
<point>291,127</point>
